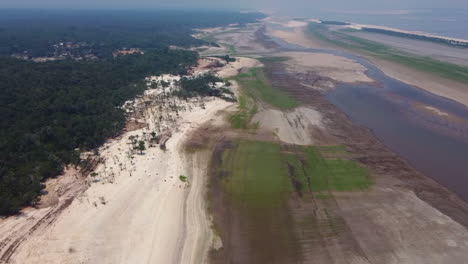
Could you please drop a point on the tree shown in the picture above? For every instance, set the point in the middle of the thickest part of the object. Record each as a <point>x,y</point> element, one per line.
<point>141,146</point>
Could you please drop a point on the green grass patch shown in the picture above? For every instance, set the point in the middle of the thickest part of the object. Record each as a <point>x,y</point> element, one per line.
<point>243,117</point>
<point>256,174</point>
<point>425,64</point>
<point>263,173</point>
<point>320,169</point>
<point>273,59</point>
<point>257,86</point>
<point>334,174</point>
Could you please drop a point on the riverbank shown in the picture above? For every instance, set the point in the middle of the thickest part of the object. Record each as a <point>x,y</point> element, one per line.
<point>268,205</point>
<point>133,211</point>
<point>446,87</point>
<point>137,205</point>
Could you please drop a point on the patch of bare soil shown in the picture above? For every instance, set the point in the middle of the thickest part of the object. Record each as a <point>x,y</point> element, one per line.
<point>234,68</point>
<point>294,126</point>
<point>58,195</point>
<point>337,68</point>
<point>297,36</point>
<point>405,217</point>
<point>135,206</point>
<point>432,83</point>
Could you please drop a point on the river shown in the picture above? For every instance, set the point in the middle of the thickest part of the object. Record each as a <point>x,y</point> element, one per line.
<point>404,118</point>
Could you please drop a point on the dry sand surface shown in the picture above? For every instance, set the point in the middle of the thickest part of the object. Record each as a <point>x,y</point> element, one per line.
<point>436,85</point>
<point>241,63</point>
<point>338,68</point>
<point>136,211</point>
<point>298,37</point>
<point>286,22</point>
<point>134,208</point>
<point>395,226</point>
<point>234,40</point>
<point>245,41</point>
<point>292,127</point>
<point>443,87</point>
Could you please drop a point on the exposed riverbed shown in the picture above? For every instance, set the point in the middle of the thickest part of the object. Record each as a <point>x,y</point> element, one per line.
<point>428,131</point>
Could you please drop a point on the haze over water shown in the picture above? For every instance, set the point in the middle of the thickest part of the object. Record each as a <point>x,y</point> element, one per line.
<point>443,22</point>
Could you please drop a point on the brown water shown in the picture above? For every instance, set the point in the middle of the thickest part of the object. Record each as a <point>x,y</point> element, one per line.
<point>396,113</point>
<point>439,152</point>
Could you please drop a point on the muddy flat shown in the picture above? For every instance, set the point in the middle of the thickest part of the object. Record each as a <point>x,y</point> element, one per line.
<point>307,183</point>
<point>312,163</point>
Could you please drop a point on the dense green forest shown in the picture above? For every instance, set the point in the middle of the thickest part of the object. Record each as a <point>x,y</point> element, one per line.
<point>49,109</point>
<point>101,32</point>
<point>53,110</point>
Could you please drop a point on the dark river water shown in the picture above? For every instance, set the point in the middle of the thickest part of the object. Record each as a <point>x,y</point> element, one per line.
<point>397,113</point>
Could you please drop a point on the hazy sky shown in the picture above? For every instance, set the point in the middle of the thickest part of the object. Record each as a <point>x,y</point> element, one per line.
<point>289,5</point>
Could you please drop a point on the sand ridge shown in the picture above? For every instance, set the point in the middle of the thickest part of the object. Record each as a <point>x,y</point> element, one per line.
<point>437,85</point>
<point>337,68</point>
<point>297,36</point>
<point>234,68</point>
<point>293,126</point>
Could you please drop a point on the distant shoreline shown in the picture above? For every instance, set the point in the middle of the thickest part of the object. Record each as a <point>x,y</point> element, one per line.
<point>458,42</point>
<point>411,34</point>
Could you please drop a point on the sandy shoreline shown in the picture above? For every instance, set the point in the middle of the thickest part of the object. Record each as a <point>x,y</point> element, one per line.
<point>297,37</point>
<point>450,89</point>
<point>133,215</point>
<point>416,33</point>
<point>453,90</point>
<point>338,69</point>
<point>404,217</point>
<point>134,208</point>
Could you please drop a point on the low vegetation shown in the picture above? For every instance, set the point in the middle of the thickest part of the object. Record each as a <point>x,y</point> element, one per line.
<point>246,110</point>
<point>418,37</point>
<point>183,178</point>
<point>426,64</point>
<point>318,169</point>
<point>266,172</point>
<point>205,85</point>
<point>257,86</point>
<point>38,33</point>
<point>51,111</point>
<point>273,59</point>
<point>336,23</point>
<point>256,173</point>
<point>71,102</point>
